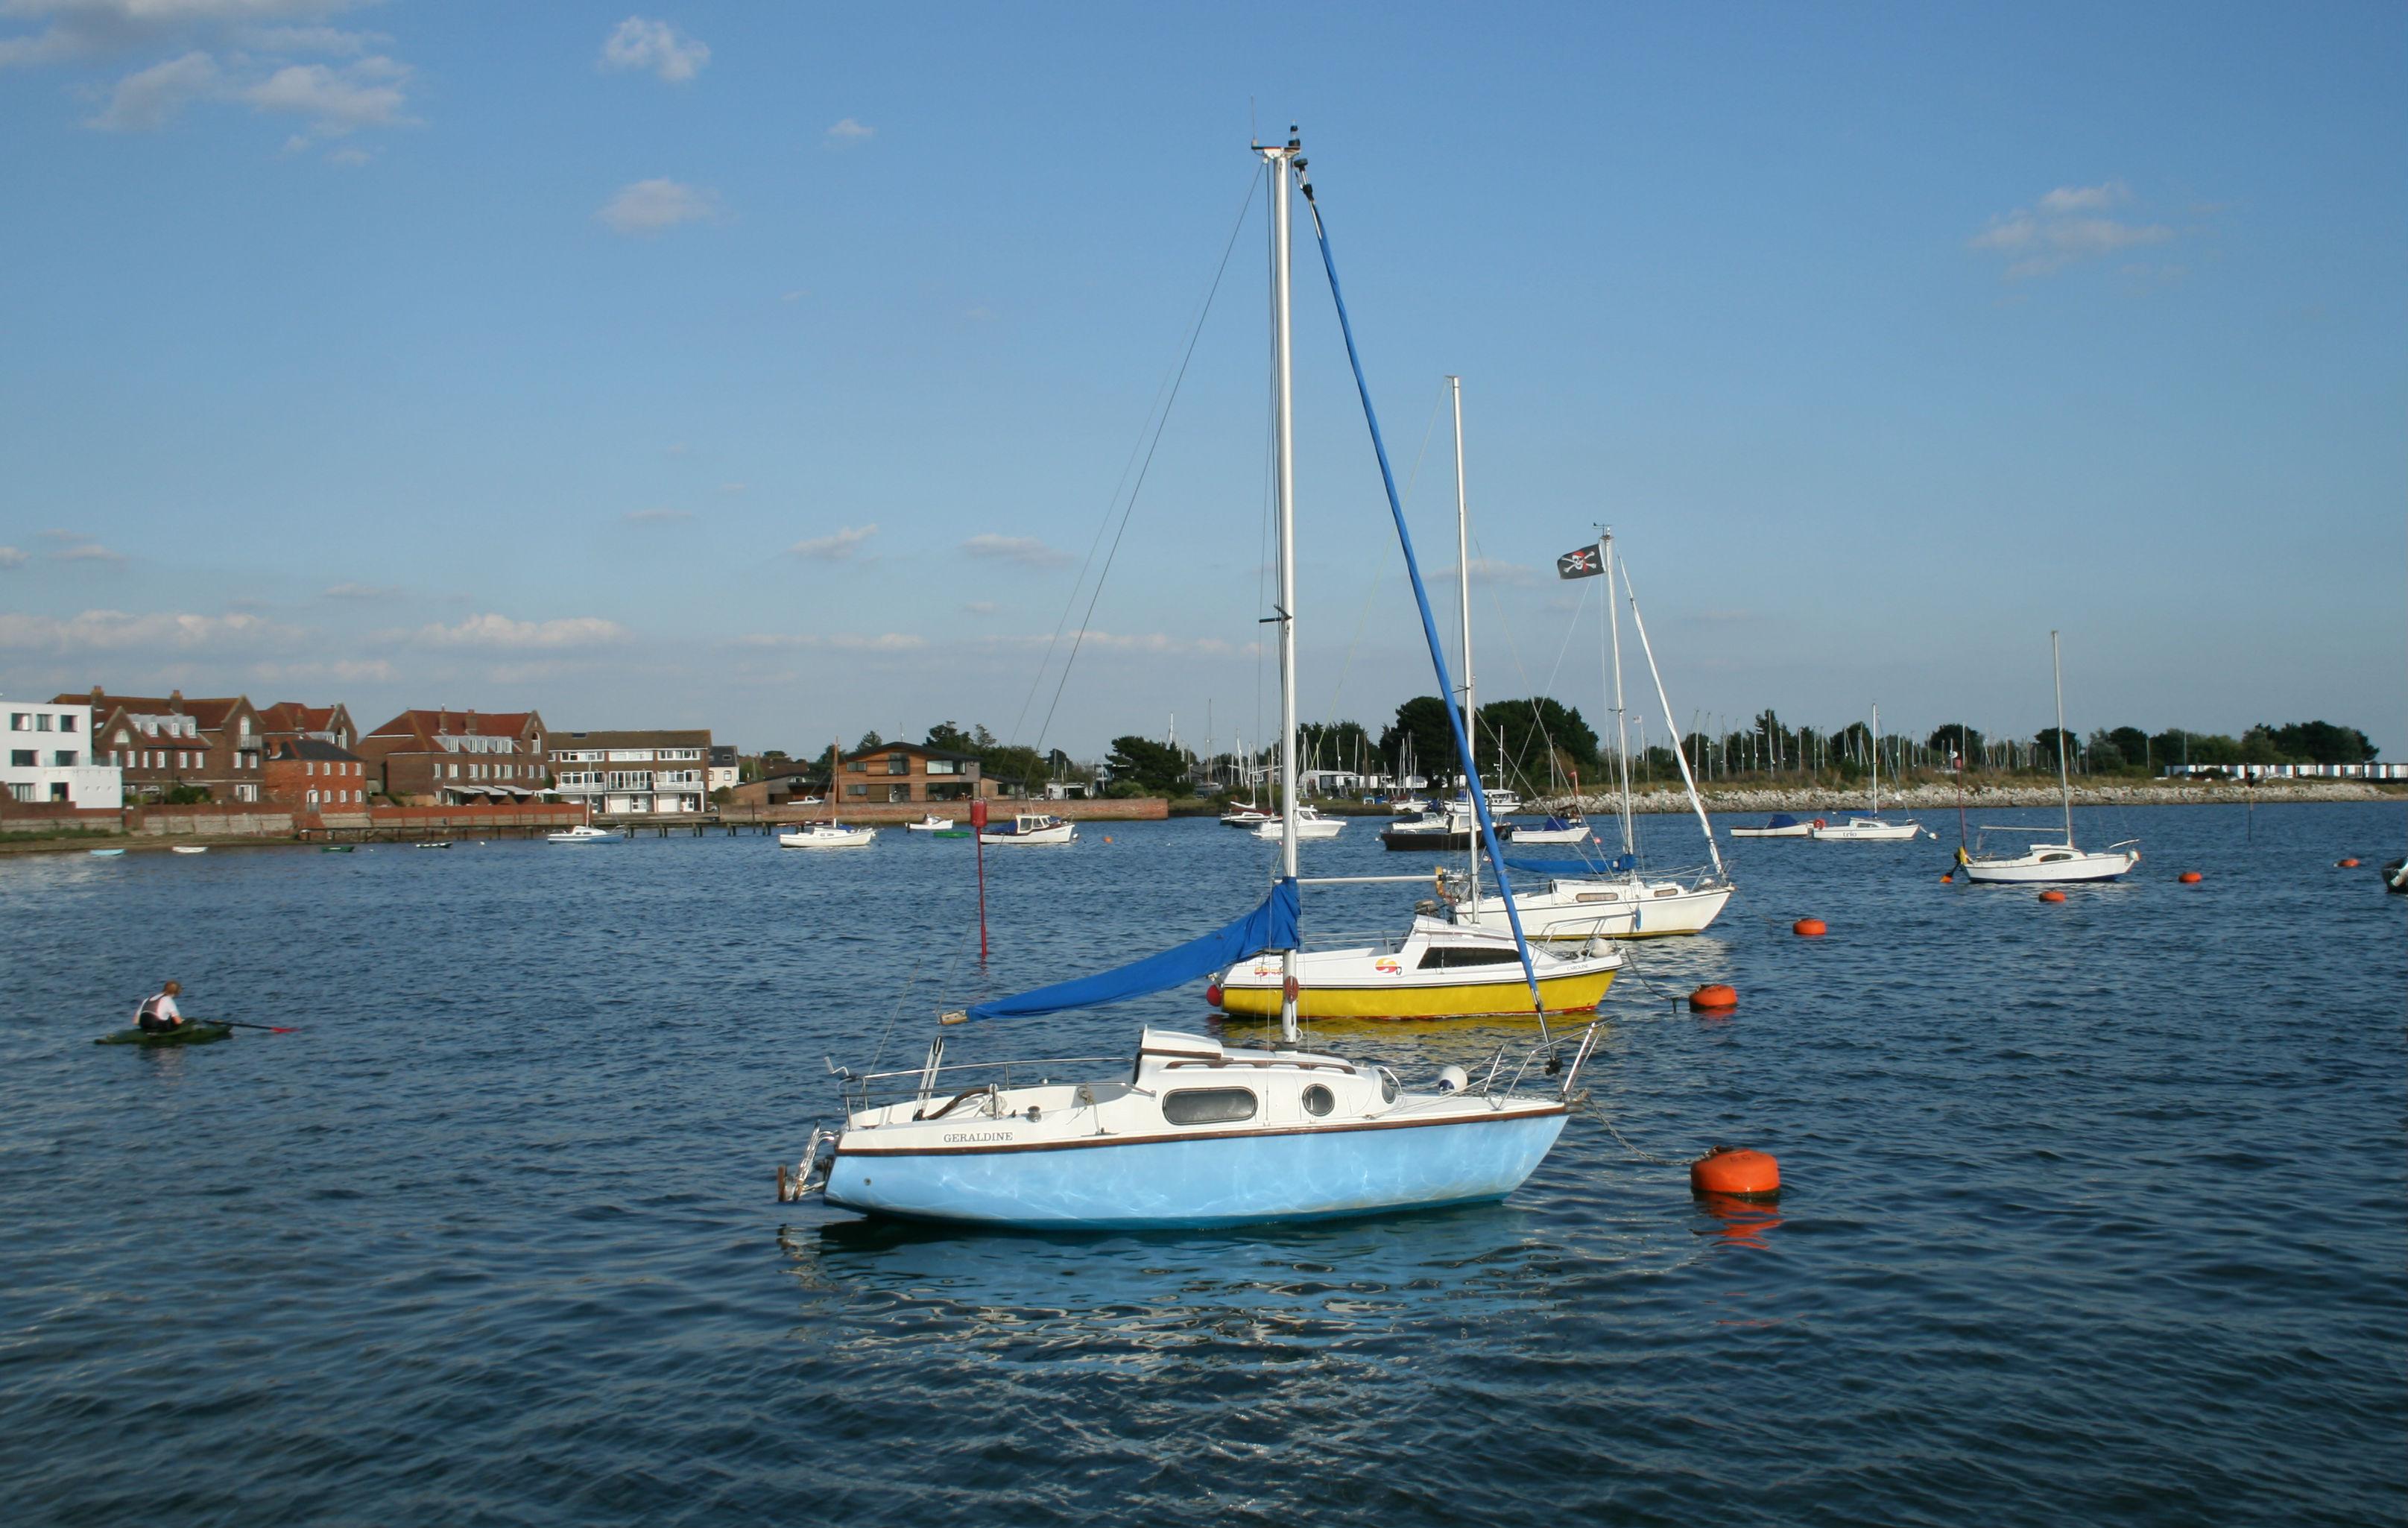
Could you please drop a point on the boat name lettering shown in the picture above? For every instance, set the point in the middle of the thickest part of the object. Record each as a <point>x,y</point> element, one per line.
<point>972,1137</point>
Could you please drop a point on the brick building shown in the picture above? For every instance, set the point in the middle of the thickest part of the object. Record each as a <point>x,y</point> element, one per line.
<point>634,773</point>
<point>158,745</point>
<point>914,772</point>
<point>290,721</point>
<point>454,757</point>
<point>308,776</point>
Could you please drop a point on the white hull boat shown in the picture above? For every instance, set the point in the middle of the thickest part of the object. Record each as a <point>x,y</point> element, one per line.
<point>1027,828</point>
<point>929,823</point>
<point>827,835</point>
<point>1310,824</point>
<point>190,848</point>
<point>1553,830</point>
<point>1246,814</point>
<point>582,835</point>
<point>1781,826</point>
<point>2052,861</point>
<point>1867,831</point>
<point>1630,907</point>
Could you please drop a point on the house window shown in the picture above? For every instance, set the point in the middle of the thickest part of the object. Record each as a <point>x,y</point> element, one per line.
<point>22,793</point>
<point>58,790</point>
<point>246,793</point>
<point>21,758</point>
<point>898,793</point>
<point>20,721</point>
<point>862,791</point>
<point>858,766</point>
<point>65,758</point>
<point>66,724</point>
<point>42,721</point>
<point>899,763</point>
<point>944,766</point>
<point>124,737</point>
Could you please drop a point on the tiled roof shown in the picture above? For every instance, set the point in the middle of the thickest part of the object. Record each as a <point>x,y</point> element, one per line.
<point>209,713</point>
<point>685,737</point>
<point>310,748</point>
<point>481,724</point>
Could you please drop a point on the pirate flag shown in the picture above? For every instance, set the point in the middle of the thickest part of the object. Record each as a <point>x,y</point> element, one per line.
<point>1583,563</point>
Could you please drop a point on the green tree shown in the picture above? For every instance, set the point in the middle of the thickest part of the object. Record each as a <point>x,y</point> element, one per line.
<point>1422,737</point>
<point>1956,738</point>
<point>869,740</point>
<point>1533,744</point>
<point>2134,746</point>
<point>947,735</point>
<point>2053,744</point>
<point>2322,743</point>
<point>1161,769</point>
<point>2100,752</point>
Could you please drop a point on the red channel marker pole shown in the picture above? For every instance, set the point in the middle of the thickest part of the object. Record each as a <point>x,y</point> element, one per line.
<point>978,844</point>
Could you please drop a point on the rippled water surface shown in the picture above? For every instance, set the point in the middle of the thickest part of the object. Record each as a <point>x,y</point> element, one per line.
<point>2094,1212</point>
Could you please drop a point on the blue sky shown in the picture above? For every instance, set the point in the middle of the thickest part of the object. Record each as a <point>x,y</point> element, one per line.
<point>772,366</point>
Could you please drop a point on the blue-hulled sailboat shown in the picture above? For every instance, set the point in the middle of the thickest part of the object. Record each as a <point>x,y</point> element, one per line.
<point>1194,1131</point>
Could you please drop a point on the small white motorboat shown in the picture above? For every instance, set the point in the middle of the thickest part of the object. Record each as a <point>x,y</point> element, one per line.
<point>1030,828</point>
<point>1556,829</point>
<point>105,853</point>
<point>826,835</point>
<point>585,833</point>
<point>1246,814</point>
<point>1310,824</point>
<point>190,848</point>
<point>929,823</point>
<point>1781,826</point>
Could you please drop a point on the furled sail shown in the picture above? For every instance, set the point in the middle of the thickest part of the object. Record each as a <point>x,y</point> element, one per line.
<point>1269,926</point>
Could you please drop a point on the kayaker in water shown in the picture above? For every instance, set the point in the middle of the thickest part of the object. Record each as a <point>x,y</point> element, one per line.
<point>159,1014</point>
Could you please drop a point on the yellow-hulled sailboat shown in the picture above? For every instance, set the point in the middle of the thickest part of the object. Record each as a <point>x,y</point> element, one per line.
<point>1438,969</point>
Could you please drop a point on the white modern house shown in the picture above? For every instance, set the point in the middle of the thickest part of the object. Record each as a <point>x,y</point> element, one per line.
<point>633,773</point>
<point>49,758</point>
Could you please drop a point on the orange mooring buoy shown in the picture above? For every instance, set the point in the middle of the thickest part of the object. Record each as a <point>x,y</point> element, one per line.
<point>1714,997</point>
<point>2190,877</point>
<point>1735,1170</point>
<point>1809,929</point>
<point>2052,896</point>
<point>2349,864</point>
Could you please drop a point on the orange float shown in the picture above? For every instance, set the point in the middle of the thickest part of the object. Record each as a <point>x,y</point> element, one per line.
<point>1736,1170</point>
<point>2190,877</point>
<point>2052,896</point>
<point>2349,864</point>
<point>1714,997</point>
<point>1809,929</point>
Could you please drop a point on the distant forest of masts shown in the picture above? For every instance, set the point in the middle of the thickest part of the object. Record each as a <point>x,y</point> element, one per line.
<point>1541,745</point>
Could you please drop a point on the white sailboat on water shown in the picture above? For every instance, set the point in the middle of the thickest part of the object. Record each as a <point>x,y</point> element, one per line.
<point>1196,1132</point>
<point>2053,862</point>
<point>1871,826</point>
<point>1618,900</point>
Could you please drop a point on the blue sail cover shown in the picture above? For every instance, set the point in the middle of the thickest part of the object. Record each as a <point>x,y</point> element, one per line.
<point>1269,926</point>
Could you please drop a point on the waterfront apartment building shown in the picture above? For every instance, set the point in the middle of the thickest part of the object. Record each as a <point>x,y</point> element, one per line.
<point>634,773</point>
<point>309,775</point>
<point>726,770</point>
<point>51,758</point>
<point>446,757</point>
<point>290,721</point>
<point>914,772</point>
<point>161,744</point>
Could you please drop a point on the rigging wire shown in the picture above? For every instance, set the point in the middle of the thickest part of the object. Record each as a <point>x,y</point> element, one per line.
<point>1165,396</point>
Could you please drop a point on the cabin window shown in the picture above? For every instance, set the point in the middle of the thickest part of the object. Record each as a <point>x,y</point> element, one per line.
<point>1389,1086</point>
<point>1208,1106</point>
<point>1447,957</point>
<point>1318,1101</point>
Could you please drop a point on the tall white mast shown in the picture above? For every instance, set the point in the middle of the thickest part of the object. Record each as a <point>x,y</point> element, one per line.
<point>1621,716</point>
<point>2064,780</point>
<point>1875,776</point>
<point>1284,162</point>
<point>1463,587</point>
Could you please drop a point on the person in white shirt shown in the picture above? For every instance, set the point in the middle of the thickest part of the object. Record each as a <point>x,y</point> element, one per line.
<point>159,1014</point>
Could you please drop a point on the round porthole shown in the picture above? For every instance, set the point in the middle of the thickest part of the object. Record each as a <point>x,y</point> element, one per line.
<point>1319,1100</point>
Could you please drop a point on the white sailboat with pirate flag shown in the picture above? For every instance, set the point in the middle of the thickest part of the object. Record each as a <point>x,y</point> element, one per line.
<point>1614,896</point>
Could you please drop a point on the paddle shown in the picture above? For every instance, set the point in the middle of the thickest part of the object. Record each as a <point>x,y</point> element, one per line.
<point>272,1028</point>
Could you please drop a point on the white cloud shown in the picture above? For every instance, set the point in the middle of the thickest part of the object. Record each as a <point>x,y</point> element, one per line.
<point>145,99</point>
<point>982,606</point>
<point>639,517</point>
<point>502,633</point>
<point>1027,551</point>
<point>113,630</point>
<point>366,93</point>
<point>890,642</point>
<point>647,207</point>
<point>364,591</point>
<point>638,44</point>
<point>87,552</point>
<point>11,557</point>
<point>835,548</point>
<point>1120,641</point>
<point>849,132</point>
<point>100,28</point>
<point>2053,237</point>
